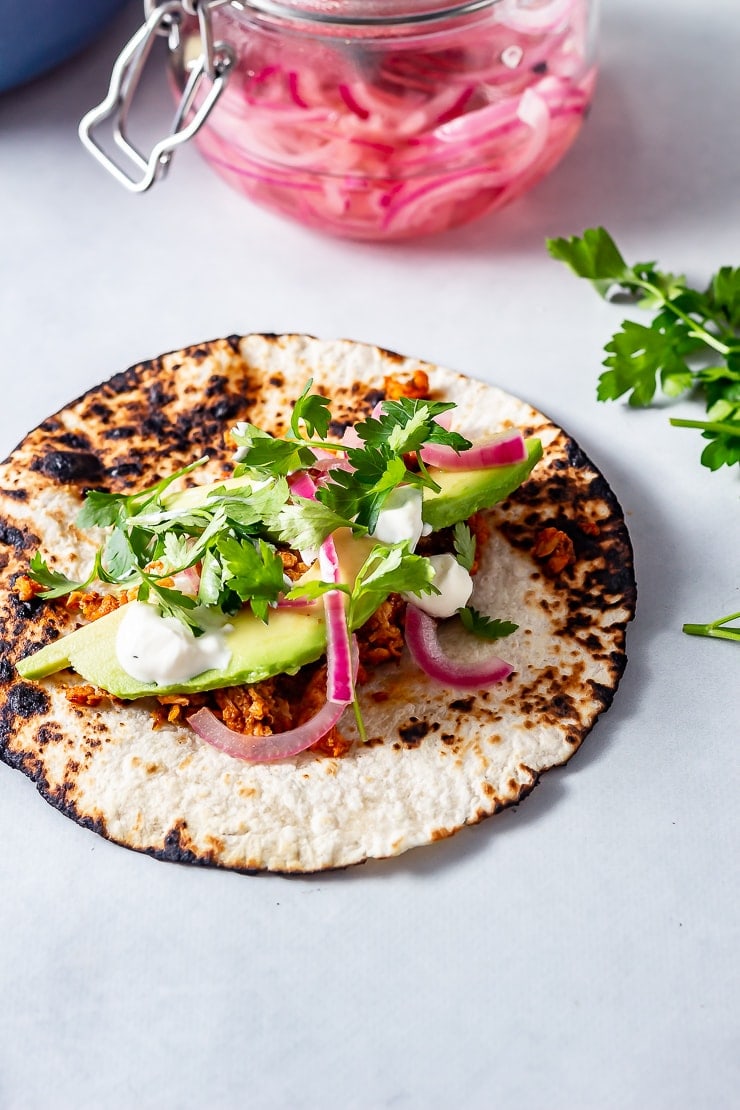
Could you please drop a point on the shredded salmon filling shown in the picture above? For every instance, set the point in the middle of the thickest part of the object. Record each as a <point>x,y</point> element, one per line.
<point>415,387</point>
<point>85,695</point>
<point>26,589</point>
<point>293,565</point>
<point>381,638</point>
<point>257,710</point>
<point>555,549</point>
<point>93,606</point>
<point>287,701</point>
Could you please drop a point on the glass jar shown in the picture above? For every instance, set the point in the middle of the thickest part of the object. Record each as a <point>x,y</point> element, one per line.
<point>386,119</point>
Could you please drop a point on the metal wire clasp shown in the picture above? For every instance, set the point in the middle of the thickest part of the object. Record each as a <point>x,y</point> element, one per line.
<point>213,66</point>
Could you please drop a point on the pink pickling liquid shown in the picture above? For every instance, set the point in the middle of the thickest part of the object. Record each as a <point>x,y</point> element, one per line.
<point>403,137</point>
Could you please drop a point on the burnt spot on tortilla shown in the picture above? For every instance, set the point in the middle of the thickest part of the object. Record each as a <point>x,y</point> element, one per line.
<point>48,734</point>
<point>26,700</point>
<point>415,730</point>
<point>17,538</point>
<point>129,468</point>
<point>74,440</point>
<point>100,411</point>
<point>121,431</point>
<point>373,397</point>
<point>69,466</point>
<point>18,494</point>
<point>178,847</point>
<point>463,705</point>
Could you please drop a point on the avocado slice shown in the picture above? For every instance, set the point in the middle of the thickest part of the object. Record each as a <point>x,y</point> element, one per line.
<point>464,492</point>
<point>292,637</point>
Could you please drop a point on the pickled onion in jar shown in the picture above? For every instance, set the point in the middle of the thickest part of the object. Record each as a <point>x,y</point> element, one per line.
<point>397,135</point>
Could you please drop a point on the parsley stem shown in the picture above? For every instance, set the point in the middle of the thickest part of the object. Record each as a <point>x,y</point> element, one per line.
<point>429,481</point>
<point>326,444</point>
<point>715,629</point>
<point>717,426</point>
<point>359,719</point>
<point>698,331</point>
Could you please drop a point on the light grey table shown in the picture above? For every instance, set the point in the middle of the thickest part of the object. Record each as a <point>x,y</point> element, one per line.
<point>578,952</point>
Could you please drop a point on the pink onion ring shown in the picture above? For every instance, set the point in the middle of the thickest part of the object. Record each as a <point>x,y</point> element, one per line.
<point>339,682</point>
<point>267,749</point>
<point>303,485</point>
<point>502,450</point>
<point>427,653</point>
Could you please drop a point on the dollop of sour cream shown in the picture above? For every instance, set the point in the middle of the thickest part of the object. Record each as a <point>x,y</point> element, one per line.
<point>153,648</point>
<point>400,517</point>
<point>454,584</point>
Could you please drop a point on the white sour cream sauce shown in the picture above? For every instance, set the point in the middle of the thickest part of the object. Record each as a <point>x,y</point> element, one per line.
<point>453,582</point>
<point>152,648</point>
<point>400,517</point>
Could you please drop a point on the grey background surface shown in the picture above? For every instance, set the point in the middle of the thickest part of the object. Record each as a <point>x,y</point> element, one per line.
<point>580,951</point>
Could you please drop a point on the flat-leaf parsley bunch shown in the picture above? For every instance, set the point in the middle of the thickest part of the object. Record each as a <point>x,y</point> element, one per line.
<point>691,343</point>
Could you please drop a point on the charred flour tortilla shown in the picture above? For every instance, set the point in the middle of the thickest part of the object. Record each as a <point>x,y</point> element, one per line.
<point>437,758</point>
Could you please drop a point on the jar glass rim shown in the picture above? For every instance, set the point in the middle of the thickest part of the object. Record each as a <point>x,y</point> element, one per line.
<point>327,11</point>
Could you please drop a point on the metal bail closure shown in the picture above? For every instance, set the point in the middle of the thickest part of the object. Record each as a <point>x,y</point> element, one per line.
<point>212,66</point>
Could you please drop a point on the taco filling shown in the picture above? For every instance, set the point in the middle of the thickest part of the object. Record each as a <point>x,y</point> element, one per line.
<point>253,607</point>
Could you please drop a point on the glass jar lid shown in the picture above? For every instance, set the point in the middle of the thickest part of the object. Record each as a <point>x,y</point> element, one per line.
<point>363,12</point>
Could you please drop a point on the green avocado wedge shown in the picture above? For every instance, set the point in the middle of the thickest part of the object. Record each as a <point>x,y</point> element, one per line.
<point>464,492</point>
<point>292,637</point>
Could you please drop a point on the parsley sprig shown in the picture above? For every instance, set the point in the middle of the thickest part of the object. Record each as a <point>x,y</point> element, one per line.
<point>151,539</point>
<point>390,455</point>
<point>691,343</point>
<point>388,568</point>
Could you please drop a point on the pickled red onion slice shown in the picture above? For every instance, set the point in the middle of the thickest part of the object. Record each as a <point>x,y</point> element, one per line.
<point>423,138</point>
<point>303,485</point>
<point>339,683</point>
<point>504,449</point>
<point>427,653</point>
<point>268,749</point>
<point>342,661</point>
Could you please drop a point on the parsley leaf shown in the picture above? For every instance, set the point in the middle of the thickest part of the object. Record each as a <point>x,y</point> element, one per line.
<point>465,545</point>
<point>393,569</point>
<point>406,424</point>
<point>305,524</point>
<point>103,509</point>
<point>56,583</point>
<point>266,456</point>
<point>253,571</point>
<point>487,628</point>
<point>594,256</point>
<point>313,411</point>
<point>679,349</point>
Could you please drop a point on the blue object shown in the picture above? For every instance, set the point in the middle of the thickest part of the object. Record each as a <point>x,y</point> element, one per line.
<point>36,35</point>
